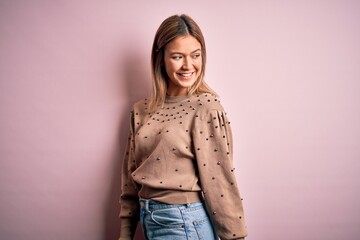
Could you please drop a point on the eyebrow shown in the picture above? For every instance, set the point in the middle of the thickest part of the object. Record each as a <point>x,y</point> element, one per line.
<point>182,53</point>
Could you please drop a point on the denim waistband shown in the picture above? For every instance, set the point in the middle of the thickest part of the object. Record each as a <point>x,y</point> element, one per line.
<point>151,205</point>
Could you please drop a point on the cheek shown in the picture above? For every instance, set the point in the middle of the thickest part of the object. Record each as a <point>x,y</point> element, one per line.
<point>198,65</point>
<point>172,67</point>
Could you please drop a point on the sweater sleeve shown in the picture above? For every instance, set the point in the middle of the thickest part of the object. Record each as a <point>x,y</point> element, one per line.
<point>214,151</point>
<point>129,201</point>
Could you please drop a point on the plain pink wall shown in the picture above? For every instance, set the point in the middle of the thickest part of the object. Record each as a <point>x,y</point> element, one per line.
<point>288,73</point>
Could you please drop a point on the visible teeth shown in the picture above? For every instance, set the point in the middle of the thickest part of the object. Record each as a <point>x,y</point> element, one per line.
<point>185,74</point>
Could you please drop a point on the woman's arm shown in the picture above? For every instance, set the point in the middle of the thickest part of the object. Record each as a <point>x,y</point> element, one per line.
<point>213,148</point>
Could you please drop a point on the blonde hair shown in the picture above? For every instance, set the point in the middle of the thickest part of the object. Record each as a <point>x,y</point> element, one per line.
<point>170,28</point>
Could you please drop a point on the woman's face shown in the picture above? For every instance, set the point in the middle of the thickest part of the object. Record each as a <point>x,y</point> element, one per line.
<point>183,63</point>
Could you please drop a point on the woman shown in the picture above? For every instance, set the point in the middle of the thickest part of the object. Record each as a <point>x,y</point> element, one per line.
<point>178,178</point>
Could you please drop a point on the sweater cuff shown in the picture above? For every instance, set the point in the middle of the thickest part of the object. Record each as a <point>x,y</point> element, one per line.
<point>127,229</point>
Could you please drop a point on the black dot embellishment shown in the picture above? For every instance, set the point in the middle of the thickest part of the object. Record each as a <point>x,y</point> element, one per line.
<point>214,213</point>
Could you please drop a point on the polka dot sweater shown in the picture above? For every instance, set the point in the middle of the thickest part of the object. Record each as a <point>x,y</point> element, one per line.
<point>182,153</point>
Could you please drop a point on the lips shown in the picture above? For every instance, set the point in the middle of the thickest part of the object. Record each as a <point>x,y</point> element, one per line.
<point>187,74</point>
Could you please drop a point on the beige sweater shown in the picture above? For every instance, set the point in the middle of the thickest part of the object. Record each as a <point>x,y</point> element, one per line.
<point>182,153</point>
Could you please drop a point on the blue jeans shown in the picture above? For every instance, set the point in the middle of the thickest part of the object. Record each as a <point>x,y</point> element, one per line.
<point>161,221</point>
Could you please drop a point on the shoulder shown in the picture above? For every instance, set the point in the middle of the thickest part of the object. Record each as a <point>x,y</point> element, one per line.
<point>141,106</point>
<point>209,103</point>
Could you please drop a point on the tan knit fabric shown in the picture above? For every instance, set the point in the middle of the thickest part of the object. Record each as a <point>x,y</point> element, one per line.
<point>182,153</point>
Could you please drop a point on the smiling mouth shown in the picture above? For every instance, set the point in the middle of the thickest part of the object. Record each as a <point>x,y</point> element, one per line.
<point>186,74</point>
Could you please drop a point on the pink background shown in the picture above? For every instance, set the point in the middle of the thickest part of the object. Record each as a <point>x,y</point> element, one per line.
<point>288,73</point>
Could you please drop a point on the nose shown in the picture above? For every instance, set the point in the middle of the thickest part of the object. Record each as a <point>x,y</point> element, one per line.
<point>187,63</point>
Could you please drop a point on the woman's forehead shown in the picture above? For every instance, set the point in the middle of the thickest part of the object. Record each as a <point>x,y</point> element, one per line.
<point>183,44</point>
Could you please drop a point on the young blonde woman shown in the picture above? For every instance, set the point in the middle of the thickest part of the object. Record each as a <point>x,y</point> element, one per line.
<point>178,177</point>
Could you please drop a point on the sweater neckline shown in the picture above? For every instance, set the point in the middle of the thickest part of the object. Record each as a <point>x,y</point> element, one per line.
<point>175,99</point>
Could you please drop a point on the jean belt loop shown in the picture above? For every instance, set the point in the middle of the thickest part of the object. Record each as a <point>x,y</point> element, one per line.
<point>144,203</point>
<point>147,205</point>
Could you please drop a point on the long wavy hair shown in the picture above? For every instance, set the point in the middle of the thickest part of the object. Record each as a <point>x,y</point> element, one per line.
<point>172,27</point>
